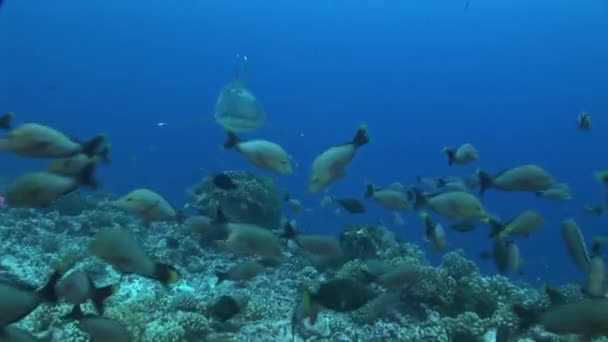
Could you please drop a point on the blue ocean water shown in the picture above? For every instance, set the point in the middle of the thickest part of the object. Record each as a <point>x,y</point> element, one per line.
<point>507,76</point>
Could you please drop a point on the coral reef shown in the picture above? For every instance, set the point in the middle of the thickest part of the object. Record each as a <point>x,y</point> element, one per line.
<point>451,302</point>
<point>256,199</point>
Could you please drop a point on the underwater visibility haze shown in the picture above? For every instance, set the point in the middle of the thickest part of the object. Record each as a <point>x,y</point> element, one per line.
<point>249,142</point>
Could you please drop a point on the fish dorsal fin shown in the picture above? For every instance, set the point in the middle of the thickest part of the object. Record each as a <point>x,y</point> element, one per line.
<point>555,296</point>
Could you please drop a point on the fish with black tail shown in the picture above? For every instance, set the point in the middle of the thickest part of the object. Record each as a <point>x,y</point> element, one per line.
<point>120,249</point>
<point>328,167</point>
<point>583,122</point>
<point>41,189</point>
<point>587,317</point>
<point>339,294</point>
<point>100,328</point>
<point>20,299</point>
<point>6,120</point>
<point>39,141</point>
<point>77,287</point>
<point>523,178</point>
<point>433,232</point>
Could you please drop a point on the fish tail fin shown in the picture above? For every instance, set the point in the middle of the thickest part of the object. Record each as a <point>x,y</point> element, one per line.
<point>166,274</point>
<point>485,181</point>
<point>419,199</point>
<point>86,177</point>
<point>450,153</point>
<point>602,176</point>
<point>101,294</point>
<point>47,292</point>
<point>104,154</point>
<point>180,216</point>
<point>289,231</point>
<point>369,190</point>
<point>361,138</point>
<point>220,217</point>
<point>369,277</point>
<point>6,120</point>
<point>232,140</point>
<point>527,317</point>
<point>221,276</point>
<point>496,228</point>
<point>76,313</point>
<point>90,147</point>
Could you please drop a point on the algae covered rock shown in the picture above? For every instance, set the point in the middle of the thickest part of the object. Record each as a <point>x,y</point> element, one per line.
<point>255,200</point>
<point>365,242</point>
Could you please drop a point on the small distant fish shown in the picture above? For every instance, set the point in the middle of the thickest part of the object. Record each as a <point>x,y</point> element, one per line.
<point>598,244</point>
<point>293,204</point>
<point>434,232</point>
<point>594,209</point>
<point>602,176</point>
<point>224,182</point>
<point>352,205</point>
<point>463,155</point>
<point>584,122</point>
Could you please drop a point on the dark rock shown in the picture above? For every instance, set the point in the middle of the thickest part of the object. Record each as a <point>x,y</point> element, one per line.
<point>366,242</point>
<point>255,200</point>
